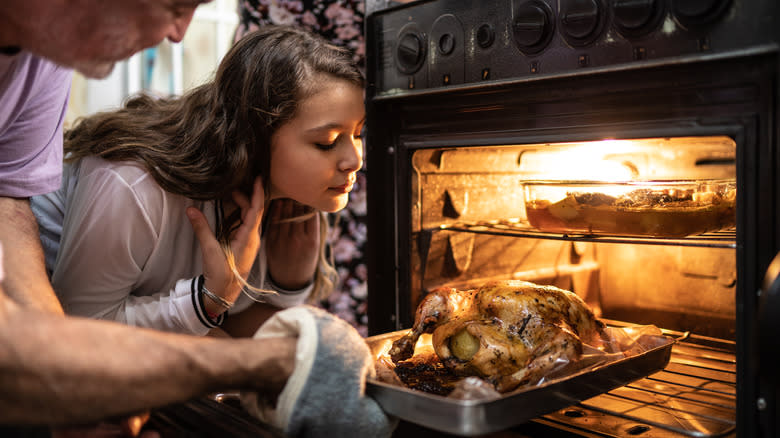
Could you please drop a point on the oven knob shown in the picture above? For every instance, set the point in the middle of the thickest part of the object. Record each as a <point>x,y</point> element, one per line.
<point>693,14</point>
<point>532,26</point>
<point>637,17</point>
<point>486,35</point>
<point>446,43</point>
<point>409,52</point>
<point>579,17</point>
<point>581,20</point>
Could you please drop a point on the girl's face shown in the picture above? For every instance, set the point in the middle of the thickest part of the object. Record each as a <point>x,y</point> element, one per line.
<point>315,155</point>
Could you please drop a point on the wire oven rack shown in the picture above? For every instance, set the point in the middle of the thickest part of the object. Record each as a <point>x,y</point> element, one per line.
<point>216,416</point>
<point>719,239</point>
<point>695,396</point>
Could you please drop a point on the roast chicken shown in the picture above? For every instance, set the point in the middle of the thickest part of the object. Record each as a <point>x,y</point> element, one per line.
<point>509,333</point>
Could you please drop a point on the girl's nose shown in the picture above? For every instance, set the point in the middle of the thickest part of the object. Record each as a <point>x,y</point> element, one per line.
<point>352,158</point>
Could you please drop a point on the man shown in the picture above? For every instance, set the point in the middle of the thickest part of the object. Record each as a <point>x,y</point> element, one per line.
<point>87,35</point>
<point>63,370</point>
<point>60,370</point>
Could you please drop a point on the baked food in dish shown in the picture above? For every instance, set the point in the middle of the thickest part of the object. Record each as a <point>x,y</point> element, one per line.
<point>654,208</point>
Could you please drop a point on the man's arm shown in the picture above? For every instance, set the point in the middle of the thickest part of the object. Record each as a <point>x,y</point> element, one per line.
<point>56,369</point>
<point>25,280</point>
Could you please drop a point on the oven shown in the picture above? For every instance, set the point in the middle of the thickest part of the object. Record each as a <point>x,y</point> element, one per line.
<point>475,108</point>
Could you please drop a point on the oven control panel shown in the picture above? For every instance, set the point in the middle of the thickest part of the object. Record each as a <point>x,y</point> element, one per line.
<point>430,44</point>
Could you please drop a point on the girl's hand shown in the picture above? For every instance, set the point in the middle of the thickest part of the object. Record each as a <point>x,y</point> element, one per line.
<point>244,242</point>
<point>293,246</point>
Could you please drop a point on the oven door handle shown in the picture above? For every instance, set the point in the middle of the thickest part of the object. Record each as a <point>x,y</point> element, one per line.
<point>769,315</point>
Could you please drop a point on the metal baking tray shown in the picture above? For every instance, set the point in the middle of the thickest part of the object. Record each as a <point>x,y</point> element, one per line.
<point>477,417</point>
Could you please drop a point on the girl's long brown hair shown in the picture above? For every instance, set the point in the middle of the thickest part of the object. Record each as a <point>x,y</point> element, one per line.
<point>216,138</point>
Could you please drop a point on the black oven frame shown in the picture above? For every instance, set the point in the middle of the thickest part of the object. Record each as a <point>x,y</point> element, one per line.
<point>732,94</point>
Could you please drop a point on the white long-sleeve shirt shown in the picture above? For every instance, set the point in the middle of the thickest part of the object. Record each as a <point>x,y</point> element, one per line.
<point>119,247</point>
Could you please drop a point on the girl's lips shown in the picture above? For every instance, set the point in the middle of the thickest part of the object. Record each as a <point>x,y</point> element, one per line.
<point>345,188</point>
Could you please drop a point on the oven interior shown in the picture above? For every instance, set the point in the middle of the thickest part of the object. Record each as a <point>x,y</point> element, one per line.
<point>469,225</point>
<point>473,107</point>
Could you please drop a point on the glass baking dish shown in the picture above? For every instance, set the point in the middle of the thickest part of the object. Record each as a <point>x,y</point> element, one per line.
<point>669,209</point>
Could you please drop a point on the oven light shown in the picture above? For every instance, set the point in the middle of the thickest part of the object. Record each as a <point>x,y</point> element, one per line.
<point>625,160</point>
<point>581,164</point>
<point>607,160</point>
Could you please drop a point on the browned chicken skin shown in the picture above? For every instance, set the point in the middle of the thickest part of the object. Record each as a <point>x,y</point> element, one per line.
<point>508,332</point>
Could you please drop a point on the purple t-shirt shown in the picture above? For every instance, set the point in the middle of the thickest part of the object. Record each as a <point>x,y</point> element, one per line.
<point>33,99</point>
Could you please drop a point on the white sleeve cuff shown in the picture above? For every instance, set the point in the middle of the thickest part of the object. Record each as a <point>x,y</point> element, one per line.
<point>188,310</point>
<point>286,298</point>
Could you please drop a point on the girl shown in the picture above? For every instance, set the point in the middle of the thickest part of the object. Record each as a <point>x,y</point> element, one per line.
<point>260,151</point>
<point>341,23</point>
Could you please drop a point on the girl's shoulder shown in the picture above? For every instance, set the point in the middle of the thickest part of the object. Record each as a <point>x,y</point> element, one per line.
<point>129,172</point>
<point>128,180</point>
<point>131,185</point>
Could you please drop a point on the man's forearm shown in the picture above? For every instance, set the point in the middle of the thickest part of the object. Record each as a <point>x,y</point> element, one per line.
<point>25,279</point>
<point>57,370</point>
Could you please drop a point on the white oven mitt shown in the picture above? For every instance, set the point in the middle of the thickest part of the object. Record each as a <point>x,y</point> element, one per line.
<point>325,395</point>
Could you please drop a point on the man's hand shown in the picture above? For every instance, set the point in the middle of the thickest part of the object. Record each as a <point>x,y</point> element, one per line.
<point>332,363</point>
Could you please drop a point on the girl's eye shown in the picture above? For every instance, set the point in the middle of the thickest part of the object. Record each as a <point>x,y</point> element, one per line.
<point>326,147</point>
